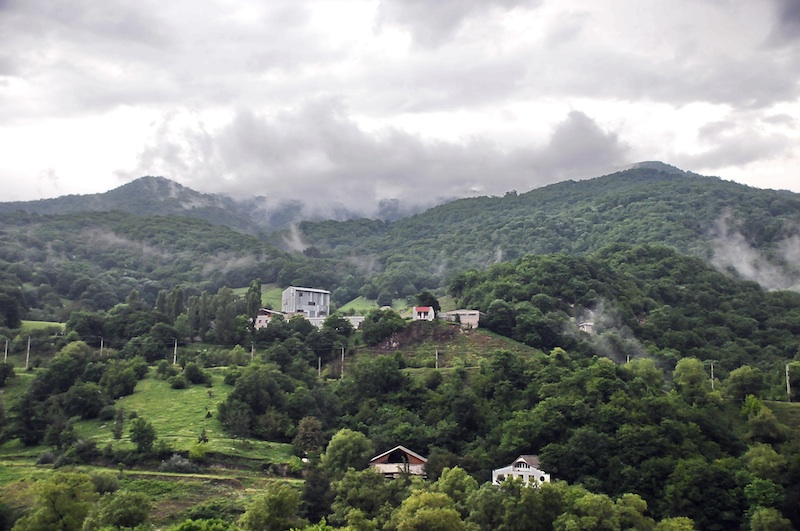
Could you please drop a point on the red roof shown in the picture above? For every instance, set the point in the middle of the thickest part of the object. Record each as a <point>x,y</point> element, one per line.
<point>423,308</point>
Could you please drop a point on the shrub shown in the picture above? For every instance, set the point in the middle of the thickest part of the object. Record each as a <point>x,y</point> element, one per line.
<point>107,413</point>
<point>177,463</point>
<point>195,374</point>
<point>46,458</point>
<point>104,481</point>
<point>178,382</point>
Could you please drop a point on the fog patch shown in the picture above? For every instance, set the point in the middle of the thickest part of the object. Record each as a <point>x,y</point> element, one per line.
<point>109,240</point>
<point>293,240</point>
<point>732,252</point>
<point>225,263</point>
<point>609,335</point>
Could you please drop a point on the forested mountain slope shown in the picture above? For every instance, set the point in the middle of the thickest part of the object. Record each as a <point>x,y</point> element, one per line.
<point>693,214</point>
<point>96,259</point>
<point>642,300</point>
<point>147,196</point>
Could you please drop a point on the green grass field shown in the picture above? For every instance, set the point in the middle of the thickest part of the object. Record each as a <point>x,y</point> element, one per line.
<point>361,306</point>
<point>179,415</point>
<point>28,326</point>
<point>270,295</point>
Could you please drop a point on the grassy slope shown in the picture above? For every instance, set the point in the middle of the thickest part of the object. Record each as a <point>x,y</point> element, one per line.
<point>39,325</point>
<point>270,295</point>
<point>178,416</point>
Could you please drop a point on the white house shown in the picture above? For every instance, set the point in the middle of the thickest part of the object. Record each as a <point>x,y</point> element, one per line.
<point>423,313</point>
<point>308,301</point>
<point>467,318</point>
<point>525,467</point>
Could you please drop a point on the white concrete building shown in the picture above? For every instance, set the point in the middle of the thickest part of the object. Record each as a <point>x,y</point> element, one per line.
<point>308,301</point>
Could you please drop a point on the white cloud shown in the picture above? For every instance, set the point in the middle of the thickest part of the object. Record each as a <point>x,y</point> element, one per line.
<point>391,98</point>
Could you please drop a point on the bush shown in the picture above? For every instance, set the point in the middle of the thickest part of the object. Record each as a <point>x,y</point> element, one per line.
<point>177,463</point>
<point>84,451</point>
<point>197,452</point>
<point>104,481</point>
<point>107,413</point>
<point>195,374</point>
<point>232,374</point>
<point>166,370</point>
<point>46,458</point>
<point>178,382</point>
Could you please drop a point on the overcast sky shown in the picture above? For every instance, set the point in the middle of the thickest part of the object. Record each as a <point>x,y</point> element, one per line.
<point>349,102</point>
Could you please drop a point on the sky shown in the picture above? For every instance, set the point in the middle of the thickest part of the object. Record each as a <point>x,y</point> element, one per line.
<point>346,103</point>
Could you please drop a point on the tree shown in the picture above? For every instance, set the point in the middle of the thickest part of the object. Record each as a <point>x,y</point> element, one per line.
<point>119,422</point>
<point>252,299</point>
<point>275,510</point>
<point>143,435</point>
<point>309,436</point>
<point>764,462</point>
<point>769,519</point>
<point>744,381</point>
<point>121,509</point>
<point>62,502</point>
<point>427,511</point>
<point>691,380</point>
<point>379,325</point>
<point>347,449</point>
<point>426,298</point>
<point>6,372</point>
<point>458,485</point>
<point>85,400</point>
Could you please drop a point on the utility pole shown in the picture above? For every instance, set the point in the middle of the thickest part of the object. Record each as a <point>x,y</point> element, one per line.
<point>342,362</point>
<point>28,354</point>
<point>175,353</point>
<point>788,385</point>
<point>5,358</point>
<point>252,351</point>
<point>319,366</point>
<point>437,358</point>
<point>712,375</point>
<point>101,346</point>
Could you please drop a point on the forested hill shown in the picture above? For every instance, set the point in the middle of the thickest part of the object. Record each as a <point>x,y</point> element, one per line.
<point>690,213</point>
<point>642,300</point>
<point>95,259</point>
<point>146,196</point>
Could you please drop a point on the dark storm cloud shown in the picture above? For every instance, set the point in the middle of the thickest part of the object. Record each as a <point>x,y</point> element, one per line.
<point>433,22</point>
<point>787,24</point>
<point>320,156</point>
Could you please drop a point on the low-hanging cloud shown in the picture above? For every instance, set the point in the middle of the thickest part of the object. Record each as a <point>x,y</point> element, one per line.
<point>732,251</point>
<point>319,156</point>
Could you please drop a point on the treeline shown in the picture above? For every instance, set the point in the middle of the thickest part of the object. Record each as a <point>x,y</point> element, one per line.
<point>54,265</point>
<point>636,206</point>
<point>642,300</point>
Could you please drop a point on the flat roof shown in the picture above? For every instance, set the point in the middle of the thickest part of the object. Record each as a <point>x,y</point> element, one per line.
<point>315,290</point>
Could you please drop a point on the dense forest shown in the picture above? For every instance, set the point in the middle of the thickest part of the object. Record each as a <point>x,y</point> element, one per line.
<point>652,385</point>
<point>688,212</point>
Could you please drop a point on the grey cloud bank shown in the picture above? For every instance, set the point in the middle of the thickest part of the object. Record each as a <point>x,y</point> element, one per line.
<point>345,103</point>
